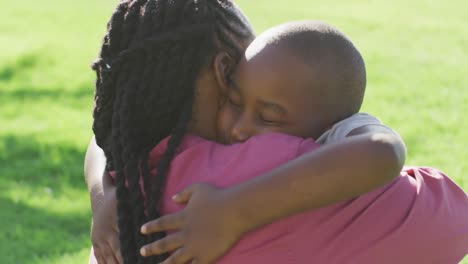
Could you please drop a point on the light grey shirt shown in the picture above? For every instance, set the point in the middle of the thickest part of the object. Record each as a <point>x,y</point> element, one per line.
<point>340,130</point>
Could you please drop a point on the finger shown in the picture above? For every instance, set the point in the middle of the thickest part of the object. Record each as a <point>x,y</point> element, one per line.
<point>108,255</point>
<point>184,195</point>
<point>110,259</point>
<point>181,256</point>
<point>115,227</point>
<point>115,245</point>
<point>167,244</point>
<point>101,259</point>
<point>98,255</point>
<point>164,223</point>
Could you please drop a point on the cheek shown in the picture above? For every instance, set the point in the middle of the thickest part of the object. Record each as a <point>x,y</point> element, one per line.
<point>225,120</point>
<point>308,126</point>
<point>204,117</point>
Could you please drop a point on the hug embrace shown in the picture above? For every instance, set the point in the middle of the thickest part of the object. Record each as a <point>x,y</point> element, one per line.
<point>213,145</point>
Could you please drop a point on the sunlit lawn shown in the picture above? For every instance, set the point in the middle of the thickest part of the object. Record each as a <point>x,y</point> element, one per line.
<point>416,55</point>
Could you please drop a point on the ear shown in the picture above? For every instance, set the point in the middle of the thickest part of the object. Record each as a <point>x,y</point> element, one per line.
<point>223,68</point>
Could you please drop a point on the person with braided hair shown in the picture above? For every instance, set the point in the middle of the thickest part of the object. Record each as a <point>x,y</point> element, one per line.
<point>162,71</point>
<point>157,57</point>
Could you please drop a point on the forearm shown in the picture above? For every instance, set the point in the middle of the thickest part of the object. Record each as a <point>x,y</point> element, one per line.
<point>330,174</point>
<point>94,171</point>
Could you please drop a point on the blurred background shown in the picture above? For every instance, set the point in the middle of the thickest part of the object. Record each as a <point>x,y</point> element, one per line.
<point>416,53</point>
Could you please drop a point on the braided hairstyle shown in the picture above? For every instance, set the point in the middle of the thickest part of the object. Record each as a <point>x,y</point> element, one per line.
<point>150,59</point>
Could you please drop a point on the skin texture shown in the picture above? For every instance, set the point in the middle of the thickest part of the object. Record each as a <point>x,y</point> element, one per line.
<point>212,87</point>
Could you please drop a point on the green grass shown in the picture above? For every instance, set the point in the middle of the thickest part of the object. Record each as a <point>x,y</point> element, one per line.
<point>415,53</point>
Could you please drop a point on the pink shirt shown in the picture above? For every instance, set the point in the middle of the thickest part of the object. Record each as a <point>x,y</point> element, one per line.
<point>420,217</point>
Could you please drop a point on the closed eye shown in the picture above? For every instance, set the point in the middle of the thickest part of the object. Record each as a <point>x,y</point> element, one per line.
<point>269,122</point>
<point>235,104</point>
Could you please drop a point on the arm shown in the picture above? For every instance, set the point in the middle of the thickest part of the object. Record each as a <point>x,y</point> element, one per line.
<point>363,161</point>
<point>96,178</point>
<point>214,220</point>
<point>104,230</point>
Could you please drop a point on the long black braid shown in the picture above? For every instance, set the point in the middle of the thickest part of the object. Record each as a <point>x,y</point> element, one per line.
<point>149,62</point>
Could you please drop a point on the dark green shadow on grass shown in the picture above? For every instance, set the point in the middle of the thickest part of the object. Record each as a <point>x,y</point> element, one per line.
<point>34,164</point>
<point>29,234</point>
<point>22,64</point>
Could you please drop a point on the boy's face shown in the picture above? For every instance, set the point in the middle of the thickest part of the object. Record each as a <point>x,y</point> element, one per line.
<point>271,91</point>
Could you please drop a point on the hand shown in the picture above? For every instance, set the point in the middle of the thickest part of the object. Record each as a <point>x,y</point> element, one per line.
<point>205,228</point>
<point>104,229</point>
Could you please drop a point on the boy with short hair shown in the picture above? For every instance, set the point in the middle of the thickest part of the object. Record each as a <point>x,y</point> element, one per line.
<point>313,79</point>
<point>305,79</point>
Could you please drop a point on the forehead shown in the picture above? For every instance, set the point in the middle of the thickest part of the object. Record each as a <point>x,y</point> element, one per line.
<point>274,71</point>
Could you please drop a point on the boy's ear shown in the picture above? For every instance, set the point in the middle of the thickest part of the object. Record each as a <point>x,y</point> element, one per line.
<point>223,67</point>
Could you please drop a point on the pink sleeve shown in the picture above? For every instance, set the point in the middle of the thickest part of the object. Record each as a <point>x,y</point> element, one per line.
<point>306,146</point>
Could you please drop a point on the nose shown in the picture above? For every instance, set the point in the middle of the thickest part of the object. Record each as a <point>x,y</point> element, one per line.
<point>242,130</point>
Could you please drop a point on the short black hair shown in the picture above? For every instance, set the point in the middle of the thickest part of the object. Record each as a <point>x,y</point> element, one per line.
<point>331,53</point>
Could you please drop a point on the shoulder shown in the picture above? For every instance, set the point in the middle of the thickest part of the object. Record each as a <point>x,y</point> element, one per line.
<point>281,144</point>
<point>352,124</point>
<point>260,148</point>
